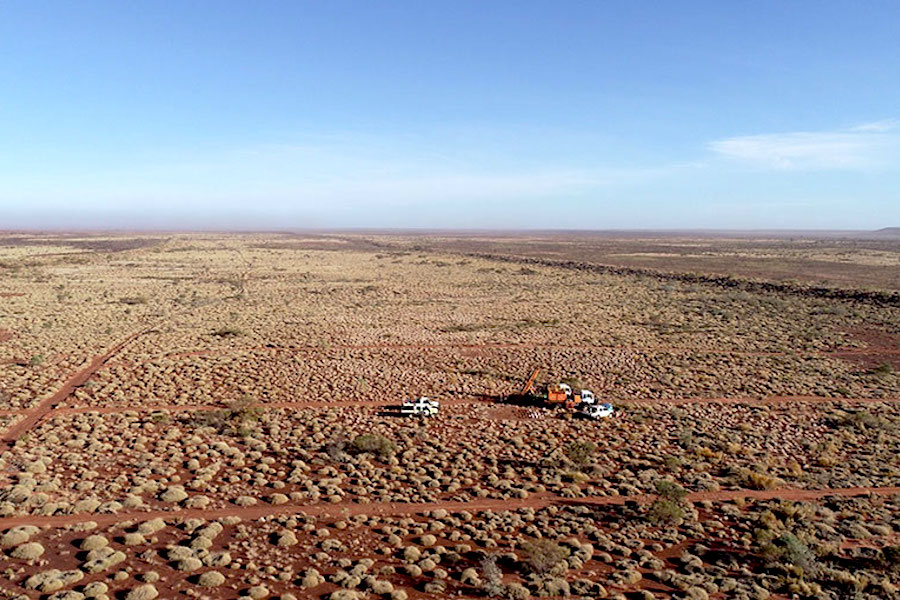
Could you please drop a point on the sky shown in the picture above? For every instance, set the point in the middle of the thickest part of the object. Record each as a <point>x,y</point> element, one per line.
<point>459,114</point>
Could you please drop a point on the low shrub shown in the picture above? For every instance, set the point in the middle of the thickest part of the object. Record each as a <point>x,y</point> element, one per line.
<point>664,510</point>
<point>542,555</point>
<point>374,443</point>
<point>890,556</point>
<point>668,506</point>
<point>492,584</point>
<point>227,332</point>
<point>789,550</point>
<point>238,417</point>
<point>882,369</point>
<point>669,490</point>
<point>580,452</point>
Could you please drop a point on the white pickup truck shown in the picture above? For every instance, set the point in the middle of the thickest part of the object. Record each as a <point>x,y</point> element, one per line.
<point>421,407</point>
<point>597,411</point>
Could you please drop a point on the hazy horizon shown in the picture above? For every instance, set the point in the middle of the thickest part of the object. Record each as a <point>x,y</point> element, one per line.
<point>450,115</point>
<point>460,231</point>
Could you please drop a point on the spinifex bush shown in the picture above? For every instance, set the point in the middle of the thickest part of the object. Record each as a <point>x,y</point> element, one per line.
<point>540,556</point>
<point>789,550</point>
<point>374,443</point>
<point>667,508</point>
<point>580,452</point>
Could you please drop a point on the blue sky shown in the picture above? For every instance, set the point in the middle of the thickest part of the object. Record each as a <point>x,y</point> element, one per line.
<point>593,115</point>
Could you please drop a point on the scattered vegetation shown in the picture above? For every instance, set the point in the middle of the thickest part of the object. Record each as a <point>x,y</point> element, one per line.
<point>330,328</point>
<point>580,452</point>
<point>882,369</point>
<point>788,550</point>
<point>668,506</point>
<point>542,555</point>
<point>374,443</point>
<point>227,331</point>
<point>238,417</point>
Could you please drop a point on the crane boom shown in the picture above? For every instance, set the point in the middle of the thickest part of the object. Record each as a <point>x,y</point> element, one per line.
<point>529,386</point>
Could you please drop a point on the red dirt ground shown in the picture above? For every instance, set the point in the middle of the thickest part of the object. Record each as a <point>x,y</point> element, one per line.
<point>76,379</point>
<point>503,410</point>
<point>882,348</point>
<point>535,501</point>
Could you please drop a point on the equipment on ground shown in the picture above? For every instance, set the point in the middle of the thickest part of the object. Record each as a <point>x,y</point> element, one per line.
<point>561,394</point>
<point>597,411</point>
<point>528,388</point>
<point>421,407</point>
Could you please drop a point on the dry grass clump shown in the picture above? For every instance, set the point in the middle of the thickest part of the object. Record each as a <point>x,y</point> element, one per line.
<point>27,551</point>
<point>93,542</point>
<point>668,507</point>
<point>17,535</point>
<point>53,580</point>
<point>146,591</point>
<point>211,579</point>
<point>375,444</point>
<point>542,555</point>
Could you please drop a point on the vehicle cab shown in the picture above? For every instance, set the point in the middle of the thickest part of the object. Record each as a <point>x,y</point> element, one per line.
<point>598,411</point>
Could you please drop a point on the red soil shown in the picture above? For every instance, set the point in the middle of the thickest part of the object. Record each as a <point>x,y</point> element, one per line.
<point>78,378</point>
<point>882,348</point>
<point>343,510</point>
<point>513,412</point>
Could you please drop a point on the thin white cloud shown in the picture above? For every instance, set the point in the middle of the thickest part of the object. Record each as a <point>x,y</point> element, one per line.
<point>865,146</point>
<point>341,172</point>
<point>877,126</point>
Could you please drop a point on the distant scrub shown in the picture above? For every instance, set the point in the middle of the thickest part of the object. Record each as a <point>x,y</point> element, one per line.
<point>227,332</point>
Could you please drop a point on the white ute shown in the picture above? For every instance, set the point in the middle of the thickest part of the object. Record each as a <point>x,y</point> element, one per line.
<point>597,411</point>
<point>422,407</point>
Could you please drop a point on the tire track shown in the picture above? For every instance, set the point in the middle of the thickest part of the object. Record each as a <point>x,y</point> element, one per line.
<point>46,406</point>
<point>318,404</point>
<point>535,501</point>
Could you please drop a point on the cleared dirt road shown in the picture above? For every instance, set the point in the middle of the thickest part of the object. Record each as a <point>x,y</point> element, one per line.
<point>535,501</point>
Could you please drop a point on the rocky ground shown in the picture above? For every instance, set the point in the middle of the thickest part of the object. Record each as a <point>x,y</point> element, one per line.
<point>212,416</point>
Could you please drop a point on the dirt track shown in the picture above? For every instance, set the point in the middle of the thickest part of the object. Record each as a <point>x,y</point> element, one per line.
<point>395,508</point>
<point>46,406</point>
<point>61,411</point>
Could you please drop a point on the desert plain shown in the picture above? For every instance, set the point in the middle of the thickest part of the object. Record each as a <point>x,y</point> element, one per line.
<point>214,416</point>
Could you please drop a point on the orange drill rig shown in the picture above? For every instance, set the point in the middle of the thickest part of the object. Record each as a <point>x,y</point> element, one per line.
<point>559,394</point>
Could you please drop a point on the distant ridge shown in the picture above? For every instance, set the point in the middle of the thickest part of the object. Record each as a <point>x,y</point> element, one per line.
<point>887,232</point>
